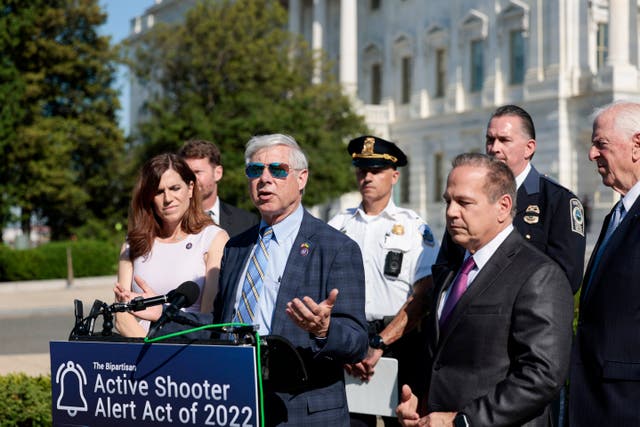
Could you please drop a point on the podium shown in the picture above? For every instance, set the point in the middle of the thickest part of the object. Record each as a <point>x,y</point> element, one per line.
<point>138,384</point>
<point>103,379</point>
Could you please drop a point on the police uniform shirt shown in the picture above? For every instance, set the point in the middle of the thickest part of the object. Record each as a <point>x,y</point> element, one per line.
<point>552,219</point>
<point>397,230</point>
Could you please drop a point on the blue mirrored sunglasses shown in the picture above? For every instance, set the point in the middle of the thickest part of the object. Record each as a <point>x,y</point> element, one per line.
<point>277,170</point>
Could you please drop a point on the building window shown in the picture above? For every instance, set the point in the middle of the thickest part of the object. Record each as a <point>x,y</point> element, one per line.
<point>404,185</point>
<point>375,4</point>
<point>516,47</point>
<point>438,176</point>
<point>602,49</point>
<point>406,80</point>
<point>477,65</point>
<point>441,72</point>
<point>376,84</point>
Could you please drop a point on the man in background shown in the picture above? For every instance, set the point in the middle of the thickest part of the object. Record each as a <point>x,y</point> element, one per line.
<point>547,215</point>
<point>605,375</point>
<point>398,248</point>
<point>204,159</point>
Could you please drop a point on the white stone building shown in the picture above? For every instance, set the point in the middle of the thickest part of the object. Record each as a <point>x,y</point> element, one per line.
<point>427,74</point>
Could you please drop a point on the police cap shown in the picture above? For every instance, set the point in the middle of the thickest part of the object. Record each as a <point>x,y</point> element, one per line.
<point>373,152</point>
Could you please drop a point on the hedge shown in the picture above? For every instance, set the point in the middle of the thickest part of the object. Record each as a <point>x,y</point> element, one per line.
<point>49,261</point>
<point>25,400</point>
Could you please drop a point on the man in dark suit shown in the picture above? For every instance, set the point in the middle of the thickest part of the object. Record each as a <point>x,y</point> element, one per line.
<point>547,215</point>
<point>605,375</point>
<point>204,159</point>
<point>500,326</point>
<point>313,291</point>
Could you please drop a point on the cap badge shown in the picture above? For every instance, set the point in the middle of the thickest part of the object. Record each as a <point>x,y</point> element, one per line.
<point>367,147</point>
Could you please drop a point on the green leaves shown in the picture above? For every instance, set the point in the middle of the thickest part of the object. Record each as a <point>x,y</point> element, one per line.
<point>61,145</point>
<point>231,71</point>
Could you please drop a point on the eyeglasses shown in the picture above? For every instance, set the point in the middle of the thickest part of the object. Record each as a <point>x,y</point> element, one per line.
<point>277,170</point>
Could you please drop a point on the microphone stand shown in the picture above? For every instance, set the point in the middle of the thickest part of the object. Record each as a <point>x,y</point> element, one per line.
<point>84,326</point>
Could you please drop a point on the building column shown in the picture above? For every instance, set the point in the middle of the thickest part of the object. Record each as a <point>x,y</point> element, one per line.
<point>622,75</point>
<point>317,35</point>
<point>618,32</point>
<point>294,17</point>
<point>349,46</point>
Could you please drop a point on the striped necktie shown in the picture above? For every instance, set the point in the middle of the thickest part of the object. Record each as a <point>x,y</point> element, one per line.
<point>252,286</point>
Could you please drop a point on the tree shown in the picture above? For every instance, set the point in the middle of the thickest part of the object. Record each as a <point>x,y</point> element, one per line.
<point>61,144</point>
<point>231,71</point>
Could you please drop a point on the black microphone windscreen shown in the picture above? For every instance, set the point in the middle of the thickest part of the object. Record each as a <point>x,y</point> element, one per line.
<point>190,291</point>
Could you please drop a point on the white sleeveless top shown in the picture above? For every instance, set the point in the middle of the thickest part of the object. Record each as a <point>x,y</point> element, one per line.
<point>168,265</point>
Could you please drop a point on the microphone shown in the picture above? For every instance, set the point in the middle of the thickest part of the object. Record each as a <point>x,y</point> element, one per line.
<point>189,288</point>
<point>183,296</point>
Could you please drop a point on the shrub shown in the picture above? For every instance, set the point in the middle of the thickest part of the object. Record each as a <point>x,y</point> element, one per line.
<point>25,400</point>
<point>49,261</point>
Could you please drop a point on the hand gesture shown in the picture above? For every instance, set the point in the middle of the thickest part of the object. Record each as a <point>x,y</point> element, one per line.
<point>366,368</point>
<point>407,410</point>
<point>311,316</point>
<point>126,295</point>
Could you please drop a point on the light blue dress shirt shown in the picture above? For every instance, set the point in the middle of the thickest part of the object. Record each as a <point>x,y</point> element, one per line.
<point>284,234</point>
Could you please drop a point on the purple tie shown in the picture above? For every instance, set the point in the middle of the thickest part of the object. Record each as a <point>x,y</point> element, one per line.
<point>457,289</point>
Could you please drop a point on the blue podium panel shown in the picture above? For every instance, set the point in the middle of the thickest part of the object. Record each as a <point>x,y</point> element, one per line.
<point>136,384</point>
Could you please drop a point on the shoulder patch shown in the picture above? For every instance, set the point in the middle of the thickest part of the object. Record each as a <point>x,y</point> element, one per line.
<point>427,235</point>
<point>577,216</point>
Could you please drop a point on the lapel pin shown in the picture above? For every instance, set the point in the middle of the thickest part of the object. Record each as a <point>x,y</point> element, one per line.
<point>189,245</point>
<point>304,249</point>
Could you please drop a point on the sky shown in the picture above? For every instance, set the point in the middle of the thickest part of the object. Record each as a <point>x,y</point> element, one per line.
<point>119,15</point>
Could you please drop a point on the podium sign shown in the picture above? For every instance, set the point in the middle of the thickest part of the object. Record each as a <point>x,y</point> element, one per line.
<point>136,384</point>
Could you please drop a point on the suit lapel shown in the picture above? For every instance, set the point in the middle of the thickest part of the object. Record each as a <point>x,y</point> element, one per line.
<point>446,278</point>
<point>589,270</point>
<point>226,219</point>
<point>593,273</point>
<point>500,260</point>
<point>293,276</point>
<point>236,254</point>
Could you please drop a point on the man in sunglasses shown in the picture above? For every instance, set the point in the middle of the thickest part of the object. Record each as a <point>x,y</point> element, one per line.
<point>312,292</point>
<point>399,248</point>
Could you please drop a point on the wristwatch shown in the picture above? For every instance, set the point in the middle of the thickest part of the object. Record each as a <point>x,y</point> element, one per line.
<point>461,420</point>
<point>377,342</point>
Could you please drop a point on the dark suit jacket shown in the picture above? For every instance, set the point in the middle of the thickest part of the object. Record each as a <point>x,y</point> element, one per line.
<point>235,220</point>
<point>551,218</point>
<point>503,354</point>
<point>604,385</point>
<point>333,261</point>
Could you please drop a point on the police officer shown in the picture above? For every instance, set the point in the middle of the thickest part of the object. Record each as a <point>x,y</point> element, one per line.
<point>398,249</point>
<point>547,214</point>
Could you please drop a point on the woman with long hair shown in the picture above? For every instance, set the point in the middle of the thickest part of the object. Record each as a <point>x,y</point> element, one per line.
<point>170,240</point>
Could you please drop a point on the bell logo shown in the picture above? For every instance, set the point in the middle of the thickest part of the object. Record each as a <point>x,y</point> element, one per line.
<point>72,380</point>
